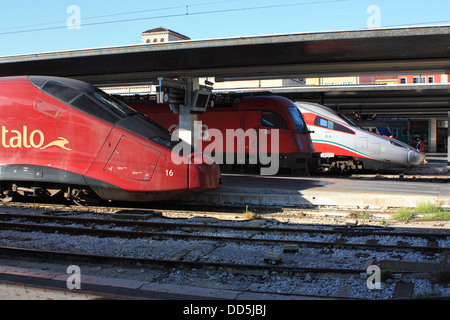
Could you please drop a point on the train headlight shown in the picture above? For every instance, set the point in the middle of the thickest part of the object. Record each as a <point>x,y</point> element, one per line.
<point>415,158</point>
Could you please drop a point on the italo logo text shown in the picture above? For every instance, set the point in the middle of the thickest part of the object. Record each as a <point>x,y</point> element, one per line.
<point>28,139</point>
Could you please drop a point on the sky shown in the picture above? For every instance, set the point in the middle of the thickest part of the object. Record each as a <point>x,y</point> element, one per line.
<point>33,26</point>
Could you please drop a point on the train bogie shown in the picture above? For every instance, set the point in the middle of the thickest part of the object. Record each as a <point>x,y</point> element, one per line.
<point>61,136</point>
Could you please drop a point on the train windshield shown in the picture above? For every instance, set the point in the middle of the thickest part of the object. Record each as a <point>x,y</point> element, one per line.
<point>298,118</point>
<point>84,97</point>
<point>116,105</point>
<point>346,120</point>
<point>147,128</point>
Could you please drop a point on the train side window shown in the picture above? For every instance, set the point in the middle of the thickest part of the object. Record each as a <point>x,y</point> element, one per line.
<point>341,128</point>
<point>322,122</point>
<point>273,120</point>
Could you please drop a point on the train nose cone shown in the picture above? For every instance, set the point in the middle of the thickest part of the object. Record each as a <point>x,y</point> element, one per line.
<point>415,158</point>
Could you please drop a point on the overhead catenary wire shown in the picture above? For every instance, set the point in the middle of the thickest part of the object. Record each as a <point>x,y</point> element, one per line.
<point>187,12</point>
<point>120,14</point>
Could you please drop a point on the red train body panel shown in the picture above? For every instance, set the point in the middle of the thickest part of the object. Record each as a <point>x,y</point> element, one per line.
<point>263,114</point>
<point>59,132</point>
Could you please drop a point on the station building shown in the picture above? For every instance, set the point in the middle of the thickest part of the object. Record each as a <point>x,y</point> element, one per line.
<point>161,35</point>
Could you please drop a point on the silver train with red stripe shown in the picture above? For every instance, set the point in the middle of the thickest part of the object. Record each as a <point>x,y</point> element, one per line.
<point>342,146</point>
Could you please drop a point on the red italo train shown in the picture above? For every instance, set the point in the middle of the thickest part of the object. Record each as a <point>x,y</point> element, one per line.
<point>63,136</point>
<point>343,146</point>
<point>264,115</point>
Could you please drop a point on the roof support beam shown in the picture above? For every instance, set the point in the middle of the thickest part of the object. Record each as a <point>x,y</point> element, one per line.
<point>418,49</point>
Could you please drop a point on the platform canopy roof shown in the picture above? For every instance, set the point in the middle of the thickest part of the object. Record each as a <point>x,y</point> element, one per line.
<point>389,100</point>
<point>357,52</point>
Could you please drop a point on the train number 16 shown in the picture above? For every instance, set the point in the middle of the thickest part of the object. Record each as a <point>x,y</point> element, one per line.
<point>169,173</point>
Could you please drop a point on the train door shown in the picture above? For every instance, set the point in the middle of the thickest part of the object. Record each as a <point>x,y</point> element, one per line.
<point>266,135</point>
<point>275,135</point>
<point>339,139</point>
<point>250,125</point>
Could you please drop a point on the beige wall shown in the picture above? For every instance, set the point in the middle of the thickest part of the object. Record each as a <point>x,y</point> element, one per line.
<point>247,84</point>
<point>159,37</point>
<point>332,81</point>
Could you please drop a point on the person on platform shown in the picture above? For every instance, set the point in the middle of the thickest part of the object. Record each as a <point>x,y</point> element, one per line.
<point>421,147</point>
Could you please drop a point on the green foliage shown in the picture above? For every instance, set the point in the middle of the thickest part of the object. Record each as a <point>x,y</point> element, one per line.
<point>430,210</point>
<point>428,207</point>
<point>403,214</point>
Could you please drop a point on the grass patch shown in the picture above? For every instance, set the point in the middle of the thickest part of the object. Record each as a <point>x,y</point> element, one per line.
<point>359,215</point>
<point>403,214</point>
<point>430,211</point>
<point>428,207</point>
<point>437,215</point>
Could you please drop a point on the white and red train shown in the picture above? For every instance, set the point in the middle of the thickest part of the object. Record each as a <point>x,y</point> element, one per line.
<point>342,145</point>
<point>63,136</point>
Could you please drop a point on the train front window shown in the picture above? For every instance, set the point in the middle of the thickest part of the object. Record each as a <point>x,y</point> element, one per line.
<point>149,129</point>
<point>273,120</point>
<point>85,103</point>
<point>115,105</point>
<point>84,97</point>
<point>298,118</point>
<point>347,120</point>
<point>399,144</point>
<point>59,90</point>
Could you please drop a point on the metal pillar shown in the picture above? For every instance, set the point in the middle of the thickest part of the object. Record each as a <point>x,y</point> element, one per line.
<point>185,118</point>
<point>433,136</point>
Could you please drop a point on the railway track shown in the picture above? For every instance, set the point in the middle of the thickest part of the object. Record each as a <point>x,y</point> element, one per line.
<point>231,267</point>
<point>294,253</point>
<point>240,234</point>
<point>340,217</point>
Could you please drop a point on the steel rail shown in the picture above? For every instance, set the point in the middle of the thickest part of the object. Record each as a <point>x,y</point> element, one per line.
<point>49,254</point>
<point>186,236</point>
<point>167,225</point>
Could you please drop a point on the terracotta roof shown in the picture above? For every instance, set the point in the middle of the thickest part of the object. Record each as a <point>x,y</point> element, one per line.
<point>162,29</point>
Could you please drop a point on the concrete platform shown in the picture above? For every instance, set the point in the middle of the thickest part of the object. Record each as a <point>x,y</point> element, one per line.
<point>11,291</point>
<point>428,183</point>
